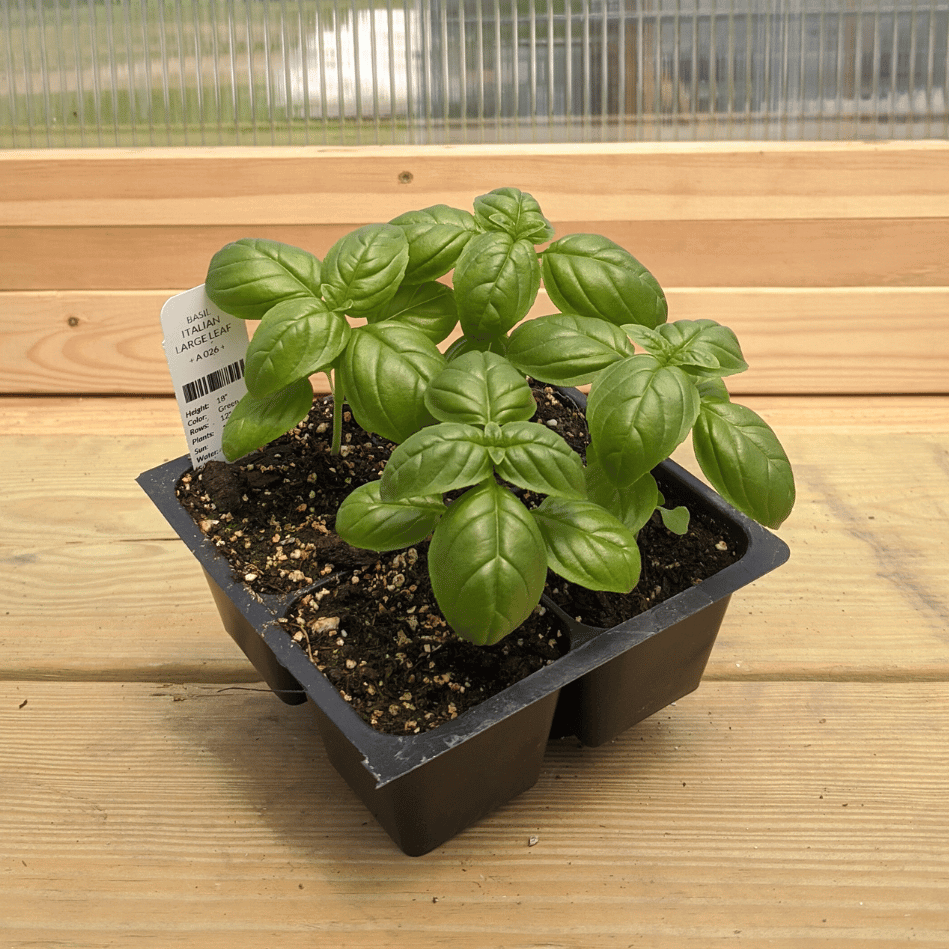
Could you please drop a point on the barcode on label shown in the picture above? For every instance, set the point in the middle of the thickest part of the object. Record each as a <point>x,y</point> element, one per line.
<point>213,381</point>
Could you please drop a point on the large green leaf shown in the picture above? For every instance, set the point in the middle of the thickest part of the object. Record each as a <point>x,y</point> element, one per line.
<point>496,281</point>
<point>514,212</point>
<point>744,461</point>
<point>296,338</point>
<point>480,387</point>
<point>588,545</point>
<point>437,459</point>
<point>638,412</point>
<point>566,350</point>
<point>256,421</point>
<point>592,276</point>
<point>384,372</point>
<point>429,307</point>
<point>246,278</point>
<point>537,459</point>
<point>363,270</point>
<point>365,520</point>
<point>488,564</point>
<point>436,236</point>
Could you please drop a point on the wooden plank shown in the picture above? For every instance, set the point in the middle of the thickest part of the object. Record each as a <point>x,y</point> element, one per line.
<point>863,595</point>
<point>730,253</point>
<point>113,611</point>
<point>788,815</point>
<point>843,340</point>
<point>83,342</point>
<point>866,537</point>
<point>24,416</point>
<point>870,340</point>
<point>636,182</point>
<point>86,555</point>
<point>121,417</point>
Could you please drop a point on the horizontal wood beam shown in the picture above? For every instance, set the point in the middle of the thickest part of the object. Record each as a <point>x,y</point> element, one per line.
<point>247,187</point>
<point>746,253</point>
<point>795,340</point>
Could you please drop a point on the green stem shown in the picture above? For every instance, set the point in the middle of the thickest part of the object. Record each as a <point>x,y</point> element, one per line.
<point>337,415</point>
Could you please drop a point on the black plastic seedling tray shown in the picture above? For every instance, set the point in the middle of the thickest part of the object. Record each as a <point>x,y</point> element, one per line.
<point>423,789</point>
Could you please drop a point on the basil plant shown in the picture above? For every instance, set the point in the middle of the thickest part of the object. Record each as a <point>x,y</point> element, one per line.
<point>371,315</point>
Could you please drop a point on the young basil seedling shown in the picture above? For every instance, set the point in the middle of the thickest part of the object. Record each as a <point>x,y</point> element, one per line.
<point>524,501</point>
<point>489,555</point>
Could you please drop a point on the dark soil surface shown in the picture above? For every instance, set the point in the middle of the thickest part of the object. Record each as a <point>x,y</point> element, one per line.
<point>397,661</point>
<point>373,627</point>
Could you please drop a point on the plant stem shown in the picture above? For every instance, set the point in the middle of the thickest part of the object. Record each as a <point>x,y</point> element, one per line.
<point>337,414</point>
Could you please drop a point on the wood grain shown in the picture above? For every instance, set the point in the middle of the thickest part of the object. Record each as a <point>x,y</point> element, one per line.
<point>743,253</point>
<point>880,610</point>
<point>759,814</point>
<point>123,417</point>
<point>831,340</point>
<point>871,340</point>
<point>190,187</point>
<point>55,341</point>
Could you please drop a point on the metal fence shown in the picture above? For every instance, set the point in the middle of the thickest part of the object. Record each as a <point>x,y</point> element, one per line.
<point>189,72</point>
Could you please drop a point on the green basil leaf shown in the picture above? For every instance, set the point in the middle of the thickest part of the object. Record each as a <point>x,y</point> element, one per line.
<point>492,441</point>
<point>365,520</point>
<point>488,564</point>
<point>592,276</point>
<point>632,504</point>
<point>496,281</point>
<point>702,347</point>
<point>296,338</point>
<point>514,212</point>
<point>363,270</point>
<point>436,236</point>
<point>638,412</point>
<point>436,459</point>
<point>246,278</point>
<point>384,371</point>
<point>744,461</point>
<point>651,340</point>
<point>480,387</point>
<point>463,345</point>
<point>256,421</point>
<point>538,459</point>
<point>713,389</point>
<point>429,307</point>
<point>566,350</point>
<point>675,520</point>
<point>588,545</point>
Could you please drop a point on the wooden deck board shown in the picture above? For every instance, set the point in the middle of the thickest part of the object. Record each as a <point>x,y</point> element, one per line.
<point>744,253</point>
<point>573,182</point>
<point>797,341</point>
<point>758,814</point>
<point>863,595</point>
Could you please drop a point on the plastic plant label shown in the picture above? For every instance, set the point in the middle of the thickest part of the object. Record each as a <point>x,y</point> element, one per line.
<point>205,349</point>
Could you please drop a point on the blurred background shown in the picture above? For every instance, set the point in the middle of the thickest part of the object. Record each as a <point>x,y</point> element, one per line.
<point>274,72</point>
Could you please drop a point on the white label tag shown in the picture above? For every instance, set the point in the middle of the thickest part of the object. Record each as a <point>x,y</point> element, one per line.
<point>205,349</point>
